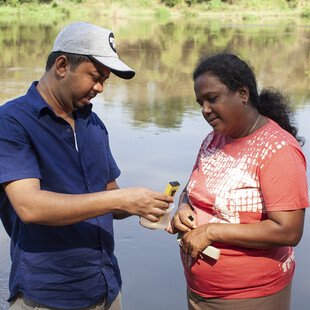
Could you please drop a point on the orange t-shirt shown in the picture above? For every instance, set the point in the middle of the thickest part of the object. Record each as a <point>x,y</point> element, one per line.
<point>237,182</point>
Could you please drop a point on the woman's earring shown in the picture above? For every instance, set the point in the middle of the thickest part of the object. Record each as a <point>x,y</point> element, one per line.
<point>244,103</point>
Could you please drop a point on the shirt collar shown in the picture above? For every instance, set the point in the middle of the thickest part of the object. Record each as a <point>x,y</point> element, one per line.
<point>40,105</point>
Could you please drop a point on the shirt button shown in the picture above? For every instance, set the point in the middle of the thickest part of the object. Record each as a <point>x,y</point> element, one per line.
<point>68,130</point>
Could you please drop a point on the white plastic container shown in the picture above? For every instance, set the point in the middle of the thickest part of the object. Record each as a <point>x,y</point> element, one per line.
<point>163,221</point>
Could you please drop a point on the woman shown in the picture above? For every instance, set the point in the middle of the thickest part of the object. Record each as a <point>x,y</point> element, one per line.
<point>246,195</point>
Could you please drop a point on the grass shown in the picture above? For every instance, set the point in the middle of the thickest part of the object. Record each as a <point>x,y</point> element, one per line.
<point>124,9</point>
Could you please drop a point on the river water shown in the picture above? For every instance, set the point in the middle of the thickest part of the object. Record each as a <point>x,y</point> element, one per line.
<point>156,128</point>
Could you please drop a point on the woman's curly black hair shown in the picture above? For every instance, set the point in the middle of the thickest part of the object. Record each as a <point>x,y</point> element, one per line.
<point>235,73</point>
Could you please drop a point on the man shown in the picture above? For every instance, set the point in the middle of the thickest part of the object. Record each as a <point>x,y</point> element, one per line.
<point>59,194</point>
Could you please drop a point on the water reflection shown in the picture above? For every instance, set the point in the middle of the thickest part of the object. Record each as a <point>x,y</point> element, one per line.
<point>156,128</point>
<point>164,55</point>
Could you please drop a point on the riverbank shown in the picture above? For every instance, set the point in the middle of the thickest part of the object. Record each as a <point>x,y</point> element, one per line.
<point>126,9</point>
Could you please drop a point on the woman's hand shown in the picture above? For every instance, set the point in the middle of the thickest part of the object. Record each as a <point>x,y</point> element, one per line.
<point>195,241</point>
<point>183,220</point>
<point>282,228</point>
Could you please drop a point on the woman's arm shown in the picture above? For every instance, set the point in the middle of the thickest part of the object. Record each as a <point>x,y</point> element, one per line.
<point>282,228</point>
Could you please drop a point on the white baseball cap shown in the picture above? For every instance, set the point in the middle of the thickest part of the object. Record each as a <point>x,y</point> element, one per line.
<point>87,39</point>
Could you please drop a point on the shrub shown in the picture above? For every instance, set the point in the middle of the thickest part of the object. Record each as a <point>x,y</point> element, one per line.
<point>162,13</point>
<point>215,4</point>
<point>305,13</point>
<point>171,3</point>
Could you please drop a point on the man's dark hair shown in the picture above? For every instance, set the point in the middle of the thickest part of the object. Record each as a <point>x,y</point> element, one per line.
<point>74,59</point>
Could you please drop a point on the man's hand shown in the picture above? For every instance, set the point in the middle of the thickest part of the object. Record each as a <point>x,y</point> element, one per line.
<point>144,202</point>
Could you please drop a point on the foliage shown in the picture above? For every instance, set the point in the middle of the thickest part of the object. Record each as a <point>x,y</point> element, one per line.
<point>292,3</point>
<point>216,4</point>
<point>162,13</point>
<point>305,13</point>
<point>264,4</point>
<point>171,3</point>
<point>245,3</point>
<point>16,2</point>
<point>122,8</point>
<point>164,53</point>
<point>249,17</point>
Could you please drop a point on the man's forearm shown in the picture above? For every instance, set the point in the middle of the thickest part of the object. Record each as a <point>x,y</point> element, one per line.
<point>34,205</point>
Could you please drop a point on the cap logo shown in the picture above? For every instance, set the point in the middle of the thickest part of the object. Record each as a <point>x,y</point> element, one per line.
<point>112,42</point>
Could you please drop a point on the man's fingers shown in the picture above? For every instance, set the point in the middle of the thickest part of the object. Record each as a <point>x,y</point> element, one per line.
<point>164,197</point>
<point>151,217</point>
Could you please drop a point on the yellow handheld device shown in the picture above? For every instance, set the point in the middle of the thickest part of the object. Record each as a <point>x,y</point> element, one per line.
<point>172,188</point>
<point>164,220</point>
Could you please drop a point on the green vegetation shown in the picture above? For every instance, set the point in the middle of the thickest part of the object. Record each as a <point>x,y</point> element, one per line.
<point>120,9</point>
<point>305,13</point>
<point>162,50</point>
